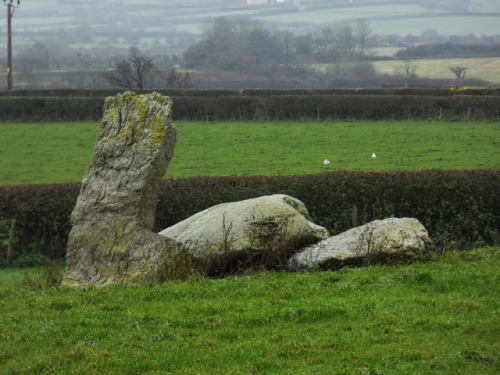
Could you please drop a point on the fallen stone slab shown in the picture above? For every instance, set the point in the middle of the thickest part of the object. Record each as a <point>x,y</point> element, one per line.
<point>378,241</point>
<point>267,230</point>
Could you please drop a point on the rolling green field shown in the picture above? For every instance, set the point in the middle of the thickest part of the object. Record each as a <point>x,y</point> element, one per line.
<point>438,317</point>
<point>61,152</point>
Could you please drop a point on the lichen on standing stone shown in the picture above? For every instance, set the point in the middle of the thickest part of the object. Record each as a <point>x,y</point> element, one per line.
<point>111,239</point>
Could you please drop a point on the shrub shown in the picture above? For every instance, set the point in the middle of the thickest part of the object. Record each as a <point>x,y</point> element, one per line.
<point>50,277</point>
<point>42,215</point>
<point>30,260</point>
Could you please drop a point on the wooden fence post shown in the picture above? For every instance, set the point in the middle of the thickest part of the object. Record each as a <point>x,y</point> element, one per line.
<point>354,215</point>
<point>11,240</point>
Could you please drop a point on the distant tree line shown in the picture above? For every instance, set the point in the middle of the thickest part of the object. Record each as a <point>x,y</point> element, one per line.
<point>246,46</point>
<point>52,63</point>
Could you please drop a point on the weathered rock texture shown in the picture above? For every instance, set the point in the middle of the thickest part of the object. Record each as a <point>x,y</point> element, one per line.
<point>265,229</point>
<point>380,240</point>
<point>111,239</point>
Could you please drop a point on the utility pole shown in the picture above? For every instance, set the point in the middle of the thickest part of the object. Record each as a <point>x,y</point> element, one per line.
<point>10,12</point>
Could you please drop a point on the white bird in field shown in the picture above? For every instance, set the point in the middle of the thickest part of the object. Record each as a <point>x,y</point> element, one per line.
<point>373,155</point>
<point>326,162</point>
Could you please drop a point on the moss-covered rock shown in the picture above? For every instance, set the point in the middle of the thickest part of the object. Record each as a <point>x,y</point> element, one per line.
<point>111,239</point>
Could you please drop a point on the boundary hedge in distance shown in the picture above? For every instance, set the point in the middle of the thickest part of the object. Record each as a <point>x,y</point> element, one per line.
<point>463,206</point>
<point>422,91</point>
<point>270,107</point>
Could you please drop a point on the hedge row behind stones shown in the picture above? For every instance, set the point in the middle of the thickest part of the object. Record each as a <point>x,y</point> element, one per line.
<point>419,91</point>
<point>272,107</point>
<point>463,206</point>
<point>102,93</point>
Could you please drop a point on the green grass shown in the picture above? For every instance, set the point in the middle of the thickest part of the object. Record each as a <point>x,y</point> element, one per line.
<point>61,152</point>
<point>440,317</point>
<point>13,277</point>
<point>38,153</point>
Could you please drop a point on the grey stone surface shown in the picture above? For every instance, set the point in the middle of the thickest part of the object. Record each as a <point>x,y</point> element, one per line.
<point>111,240</point>
<point>397,238</point>
<point>255,226</point>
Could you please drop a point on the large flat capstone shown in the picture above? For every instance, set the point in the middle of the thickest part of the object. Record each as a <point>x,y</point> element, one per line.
<point>111,240</point>
<point>265,228</point>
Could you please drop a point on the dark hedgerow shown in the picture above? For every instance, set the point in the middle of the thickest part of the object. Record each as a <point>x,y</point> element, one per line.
<point>414,91</point>
<point>219,105</point>
<point>459,206</point>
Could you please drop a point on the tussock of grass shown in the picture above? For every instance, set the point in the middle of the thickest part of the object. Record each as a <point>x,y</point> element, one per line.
<point>438,317</point>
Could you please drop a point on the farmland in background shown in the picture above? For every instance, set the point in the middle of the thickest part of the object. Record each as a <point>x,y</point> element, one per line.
<point>69,44</point>
<point>172,27</point>
<point>487,69</point>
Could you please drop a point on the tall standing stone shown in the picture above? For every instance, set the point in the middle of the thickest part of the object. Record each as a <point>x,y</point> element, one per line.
<point>112,239</point>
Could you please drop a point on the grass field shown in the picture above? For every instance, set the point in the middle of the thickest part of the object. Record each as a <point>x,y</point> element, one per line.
<point>445,25</point>
<point>439,317</point>
<point>61,152</point>
<point>486,6</point>
<point>487,69</point>
<point>402,19</point>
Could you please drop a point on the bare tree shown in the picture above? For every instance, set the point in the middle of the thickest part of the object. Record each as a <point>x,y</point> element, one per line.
<point>362,31</point>
<point>131,73</point>
<point>459,71</point>
<point>406,69</point>
<point>345,39</point>
<point>179,80</point>
<point>285,40</point>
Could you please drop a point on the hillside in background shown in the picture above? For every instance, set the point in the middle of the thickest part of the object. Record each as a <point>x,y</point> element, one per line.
<point>70,43</point>
<point>172,26</point>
